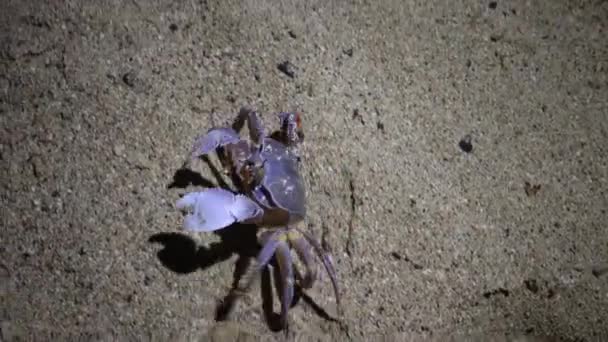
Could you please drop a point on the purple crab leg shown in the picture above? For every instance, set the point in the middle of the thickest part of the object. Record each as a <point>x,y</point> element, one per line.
<point>269,241</point>
<point>283,255</point>
<point>327,263</point>
<point>257,132</point>
<point>217,208</point>
<point>213,139</point>
<point>303,250</point>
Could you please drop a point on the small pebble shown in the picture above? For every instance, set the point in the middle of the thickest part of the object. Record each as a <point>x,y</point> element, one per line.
<point>118,150</point>
<point>310,90</point>
<point>531,285</point>
<point>141,161</point>
<point>599,271</point>
<point>129,79</point>
<point>465,144</point>
<point>287,68</point>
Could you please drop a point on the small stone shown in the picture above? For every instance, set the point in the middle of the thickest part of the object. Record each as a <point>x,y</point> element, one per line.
<point>465,144</point>
<point>287,68</point>
<point>119,150</point>
<point>39,168</point>
<point>531,285</point>
<point>129,79</point>
<point>141,161</point>
<point>531,189</point>
<point>310,90</point>
<point>173,27</point>
<point>599,270</point>
<point>357,116</point>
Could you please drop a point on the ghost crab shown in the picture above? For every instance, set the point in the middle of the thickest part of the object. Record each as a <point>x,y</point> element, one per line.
<point>270,194</point>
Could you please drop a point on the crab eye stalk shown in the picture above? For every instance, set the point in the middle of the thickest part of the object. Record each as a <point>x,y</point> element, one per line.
<point>299,129</point>
<point>291,128</point>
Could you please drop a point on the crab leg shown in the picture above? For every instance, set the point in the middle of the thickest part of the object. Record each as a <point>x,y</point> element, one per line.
<point>284,259</point>
<point>269,240</point>
<point>327,263</point>
<point>303,249</point>
<point>217,208</point>
<point>257,132</point>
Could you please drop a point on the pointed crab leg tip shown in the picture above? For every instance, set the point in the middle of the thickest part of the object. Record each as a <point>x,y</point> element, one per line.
<point>326,261</point>
<point>285,261</point>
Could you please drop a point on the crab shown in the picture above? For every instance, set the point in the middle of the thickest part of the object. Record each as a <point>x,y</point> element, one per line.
<point>270,195</point>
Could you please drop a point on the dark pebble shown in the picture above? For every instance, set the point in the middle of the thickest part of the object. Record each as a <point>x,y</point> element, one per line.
<point>357,116</point>
<point>129,79</point>
<point>287,68</point>
<point>599,271</point>
<point>531,285</point>
<point>465,144</point>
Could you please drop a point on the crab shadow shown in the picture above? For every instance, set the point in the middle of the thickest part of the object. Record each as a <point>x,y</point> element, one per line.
<point>181,255</point>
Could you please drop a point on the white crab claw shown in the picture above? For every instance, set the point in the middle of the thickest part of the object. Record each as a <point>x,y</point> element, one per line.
<point>215,209</point>
<point>216,137</point>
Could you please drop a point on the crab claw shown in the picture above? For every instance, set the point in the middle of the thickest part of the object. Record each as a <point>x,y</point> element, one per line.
<point>214,138</point>
<point>216,208</point>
